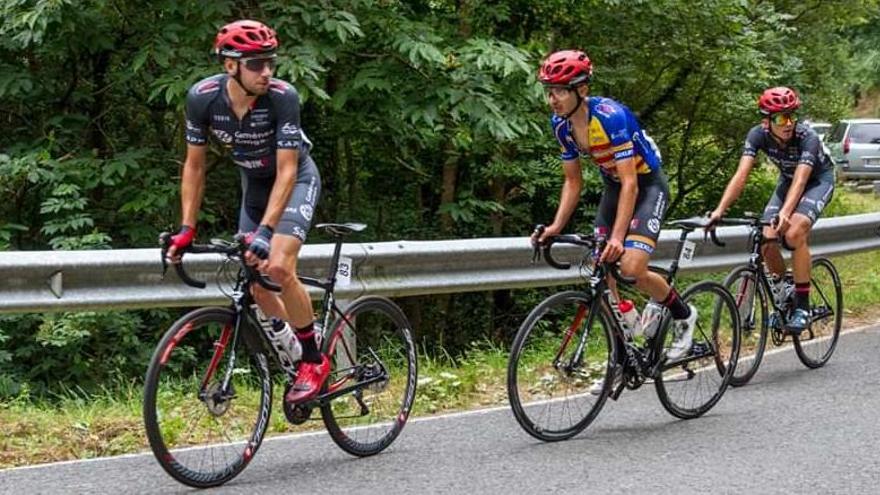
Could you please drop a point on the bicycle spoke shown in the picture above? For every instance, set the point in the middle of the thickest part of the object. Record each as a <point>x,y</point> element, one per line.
<point>692,385</point>
<point>199,441</point>
<point>815,345</point>
<point>374,376</point>
<point>550,394</point>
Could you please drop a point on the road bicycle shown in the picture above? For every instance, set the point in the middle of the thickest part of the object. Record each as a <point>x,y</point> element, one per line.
<point>209,386</point>
<point>764,310</point>
<point>571,353</point>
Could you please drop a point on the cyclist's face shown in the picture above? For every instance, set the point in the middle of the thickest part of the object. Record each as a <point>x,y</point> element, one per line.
<point>254,72</point>
<point>562,100</point>
<point>782,125</point>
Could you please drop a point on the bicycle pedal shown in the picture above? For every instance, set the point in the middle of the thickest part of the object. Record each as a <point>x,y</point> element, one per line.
<point>820,312</point>
<point>700,349</point>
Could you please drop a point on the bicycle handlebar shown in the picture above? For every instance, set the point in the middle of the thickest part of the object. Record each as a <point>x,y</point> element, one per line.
<point>588,241</point>
<point>753,220</point>
<point>232,250</point>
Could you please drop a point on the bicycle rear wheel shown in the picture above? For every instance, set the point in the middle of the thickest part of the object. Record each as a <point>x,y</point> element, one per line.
<point>550,391</point>
<point>690,386</point>
<point>815,345</point>
<point>374,371</point>
<point>207,399</point>
<point>750,296</point>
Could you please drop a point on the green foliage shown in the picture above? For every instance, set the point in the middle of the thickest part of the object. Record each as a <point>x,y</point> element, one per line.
<point>87,349</point>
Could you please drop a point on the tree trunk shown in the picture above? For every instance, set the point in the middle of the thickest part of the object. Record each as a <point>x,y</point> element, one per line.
<point>96,137</point>
<point>447,194</point>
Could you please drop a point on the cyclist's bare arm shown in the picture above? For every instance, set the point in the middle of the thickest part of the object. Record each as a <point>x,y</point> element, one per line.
<point>795,191</point>
<point>192,184</point>
<point>798,183</point>
<point>735,186</point>
<point>192,190</point>
<point>569,197</point>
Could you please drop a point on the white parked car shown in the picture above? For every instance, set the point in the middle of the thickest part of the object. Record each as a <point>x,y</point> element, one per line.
<point>855,148</point>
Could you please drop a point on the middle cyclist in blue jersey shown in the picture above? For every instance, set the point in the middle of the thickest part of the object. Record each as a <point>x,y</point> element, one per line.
<point>636,193</point>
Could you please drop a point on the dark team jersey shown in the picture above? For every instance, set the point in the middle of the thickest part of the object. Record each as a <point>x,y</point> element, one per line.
<point>270,124</point>
<point>614,134</point>
<point>803,147</point>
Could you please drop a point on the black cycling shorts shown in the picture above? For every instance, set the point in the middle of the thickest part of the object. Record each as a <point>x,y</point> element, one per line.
<point>297,217</point>
<point>817,194</point>
<point>648,213</point>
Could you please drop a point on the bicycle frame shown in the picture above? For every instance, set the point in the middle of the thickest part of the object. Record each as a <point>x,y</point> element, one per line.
<point>756,263</point>
<point>644,361</point>
<point>247,326</point>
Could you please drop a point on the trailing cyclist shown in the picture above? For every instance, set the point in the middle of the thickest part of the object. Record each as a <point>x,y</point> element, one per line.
<point>636,193</point>
<point>257,118</point>
<point>804,188</point>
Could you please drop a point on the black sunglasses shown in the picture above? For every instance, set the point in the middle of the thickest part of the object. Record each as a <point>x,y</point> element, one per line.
<point>257,64</point>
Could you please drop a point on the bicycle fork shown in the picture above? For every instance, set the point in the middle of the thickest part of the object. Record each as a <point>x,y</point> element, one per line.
<point>225,391</point>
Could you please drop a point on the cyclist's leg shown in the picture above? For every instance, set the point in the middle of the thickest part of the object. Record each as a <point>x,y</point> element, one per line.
<point>605,214</point>
<point>255,195</point>
<point>770,250</point>
<point>290,234</point>
<point>640,242</point>
<point>642,235</point>
<point>816,195</point>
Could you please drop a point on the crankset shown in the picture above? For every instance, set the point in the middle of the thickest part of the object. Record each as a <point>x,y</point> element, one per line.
<point>297,414</point>
<point>776,334</point>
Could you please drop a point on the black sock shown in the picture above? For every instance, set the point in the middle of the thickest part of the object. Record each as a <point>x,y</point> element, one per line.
<point>306,336</point>
<point>802,295</point>
<point>677,307</point>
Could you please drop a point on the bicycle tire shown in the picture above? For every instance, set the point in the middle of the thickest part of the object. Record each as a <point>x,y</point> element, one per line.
<point>178,366</point>
<point>559,315</point>
<point>715,366</point>
<point>381,330</point>
<point>750,295</point>
<point>825,305</point>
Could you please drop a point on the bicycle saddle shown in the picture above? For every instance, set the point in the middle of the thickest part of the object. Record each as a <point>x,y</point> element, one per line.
<point>341,228</point>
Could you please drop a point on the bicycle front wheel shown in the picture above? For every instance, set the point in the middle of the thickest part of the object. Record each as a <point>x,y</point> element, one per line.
<point>751,301</point>
<point>688,387</point>
<point>560,362</point>
<point>207,399</point>
<point>372,383</point>
<point>815,345</point>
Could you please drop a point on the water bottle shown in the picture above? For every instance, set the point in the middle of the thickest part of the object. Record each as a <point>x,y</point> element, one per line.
<point>631,326</point>
<point>782,289</point>
<point>652,315</point>
<point>287,346</point>
<point>283,339</point>
<point>788,284</point>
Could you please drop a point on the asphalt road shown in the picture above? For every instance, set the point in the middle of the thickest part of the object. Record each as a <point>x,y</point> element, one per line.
<point>792,430</point>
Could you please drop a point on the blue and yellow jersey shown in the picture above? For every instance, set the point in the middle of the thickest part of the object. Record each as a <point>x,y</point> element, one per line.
<point>614,134</point>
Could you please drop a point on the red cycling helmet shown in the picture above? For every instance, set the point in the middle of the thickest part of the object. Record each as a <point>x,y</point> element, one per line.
<point>567,68</point>
<point>780,99</point>
<point>244,37</point>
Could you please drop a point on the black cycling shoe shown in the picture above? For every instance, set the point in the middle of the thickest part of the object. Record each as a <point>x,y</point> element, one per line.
<point>798,321</point>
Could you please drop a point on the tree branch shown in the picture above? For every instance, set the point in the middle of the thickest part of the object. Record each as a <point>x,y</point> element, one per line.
<point>667,95</point>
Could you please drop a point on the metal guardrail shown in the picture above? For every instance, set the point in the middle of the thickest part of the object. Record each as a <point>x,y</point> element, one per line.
<point>131,278</point>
